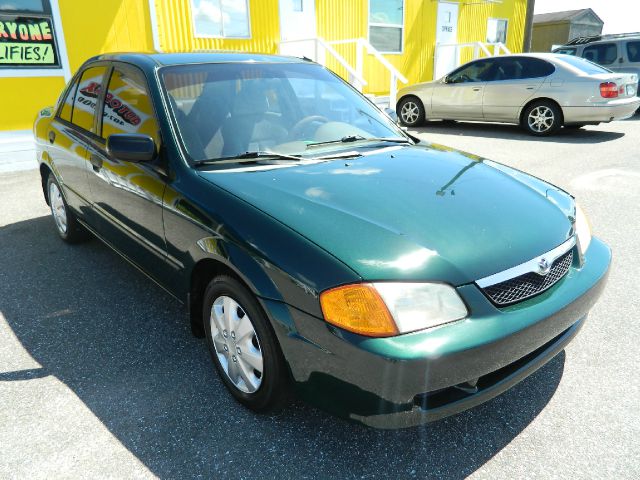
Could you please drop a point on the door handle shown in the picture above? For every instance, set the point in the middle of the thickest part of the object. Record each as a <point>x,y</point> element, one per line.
<point>476,89</point>
<point>52,136</point>
<point>96,162</point>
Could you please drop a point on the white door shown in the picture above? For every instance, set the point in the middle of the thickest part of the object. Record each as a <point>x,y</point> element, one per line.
<point>297,28</point>
<point>446,33</point>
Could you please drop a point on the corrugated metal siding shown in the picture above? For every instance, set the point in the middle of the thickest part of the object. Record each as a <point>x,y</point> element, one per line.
<point>176,28</point>
<point>416,60</point>
<point>473,19</point>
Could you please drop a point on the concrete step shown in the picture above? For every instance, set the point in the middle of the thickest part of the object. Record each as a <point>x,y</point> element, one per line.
<point>17,151</point>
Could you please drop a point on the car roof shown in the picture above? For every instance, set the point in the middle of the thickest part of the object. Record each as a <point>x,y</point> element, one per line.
<point>153,59</point>
<point>540,55</point>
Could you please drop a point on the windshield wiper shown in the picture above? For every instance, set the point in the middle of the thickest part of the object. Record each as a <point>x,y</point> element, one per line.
<point>360,138</point>
<point>249,157</point>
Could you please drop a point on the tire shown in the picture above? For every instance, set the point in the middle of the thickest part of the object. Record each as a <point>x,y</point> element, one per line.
<point>542,118</point>
<point>410,111</point>
<point>66,222</point>
<point>240,349</point>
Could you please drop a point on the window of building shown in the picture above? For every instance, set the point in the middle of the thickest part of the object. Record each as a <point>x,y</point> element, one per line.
<point>497,30</point>
<point>603,53</point>
<point>386,20</point>
<point>633,51</point>
<point>127,105</point>
<point>221,18</point>
<point>83,110</point>
<point>27,35</point>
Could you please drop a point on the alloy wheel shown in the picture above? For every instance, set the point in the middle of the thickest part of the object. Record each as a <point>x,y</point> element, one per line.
<point>410,112</point>
<point>58,209</point>
<point>236,344</point>
<point>541,119</point>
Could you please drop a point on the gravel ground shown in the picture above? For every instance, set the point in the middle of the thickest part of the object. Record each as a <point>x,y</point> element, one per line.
<point>100,377</point>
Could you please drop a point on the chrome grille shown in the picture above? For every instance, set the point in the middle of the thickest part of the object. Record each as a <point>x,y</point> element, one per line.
<point>530,284</point>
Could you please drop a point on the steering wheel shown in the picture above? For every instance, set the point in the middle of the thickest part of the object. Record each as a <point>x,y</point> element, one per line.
<point>299,128</point>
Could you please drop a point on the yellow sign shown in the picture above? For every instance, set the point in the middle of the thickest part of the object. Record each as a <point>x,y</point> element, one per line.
<point>26,53</point>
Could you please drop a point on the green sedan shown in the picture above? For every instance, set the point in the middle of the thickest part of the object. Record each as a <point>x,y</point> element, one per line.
<point>319,249</point>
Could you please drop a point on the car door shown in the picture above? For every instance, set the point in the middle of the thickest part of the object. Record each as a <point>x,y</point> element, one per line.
<point>515,81</point>
<point>126,196</point>
<point>459,95</point>
<point>71,130</point>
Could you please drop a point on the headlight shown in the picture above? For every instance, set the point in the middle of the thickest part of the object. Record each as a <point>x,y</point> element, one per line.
<point>583,230</point>
<point>387,309</point>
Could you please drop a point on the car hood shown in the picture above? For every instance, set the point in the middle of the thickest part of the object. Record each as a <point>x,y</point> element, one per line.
<point>412,213</point>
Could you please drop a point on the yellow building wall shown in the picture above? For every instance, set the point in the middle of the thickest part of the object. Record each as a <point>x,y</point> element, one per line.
<point>113,25</point>
<point>416,62</point>
<point>125,25</point>
<point>176,33</point>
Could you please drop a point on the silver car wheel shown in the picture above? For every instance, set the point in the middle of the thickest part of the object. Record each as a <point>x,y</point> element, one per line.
<point>541,119</point>
<point>409,112</point>
<point>58,209</point>
<point>236,344</point>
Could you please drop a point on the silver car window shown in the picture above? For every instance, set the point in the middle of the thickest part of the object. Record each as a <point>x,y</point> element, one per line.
<point>582,65</point>
<point>633,51</point>
<point>603,53</point>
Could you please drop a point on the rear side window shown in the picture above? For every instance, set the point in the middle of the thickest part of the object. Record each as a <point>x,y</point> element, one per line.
<point>633,52</point>
<point>127,106</point>
<point>604,53</point>
<point>86,97</point>
<point>536,68</point>
<point>521,68</point>
<point>583,65</point>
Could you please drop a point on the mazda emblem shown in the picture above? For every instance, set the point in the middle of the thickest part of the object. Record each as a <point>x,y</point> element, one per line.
<point>544,267</point>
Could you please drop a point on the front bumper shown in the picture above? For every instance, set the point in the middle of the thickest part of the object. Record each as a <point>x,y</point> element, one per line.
<point>606,112</point>
<point>411,379</point>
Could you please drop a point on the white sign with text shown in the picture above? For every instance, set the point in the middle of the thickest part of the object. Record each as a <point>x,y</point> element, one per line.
<point>446,33</point>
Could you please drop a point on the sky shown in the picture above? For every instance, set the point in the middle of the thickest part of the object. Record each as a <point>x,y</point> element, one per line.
<point>619,16</point>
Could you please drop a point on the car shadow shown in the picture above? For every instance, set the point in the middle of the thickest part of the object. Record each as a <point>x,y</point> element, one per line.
<point>588,135</point>
<point>124,347</point>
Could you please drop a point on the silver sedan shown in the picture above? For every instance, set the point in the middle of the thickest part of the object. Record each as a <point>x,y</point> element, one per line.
<point>542,92</point>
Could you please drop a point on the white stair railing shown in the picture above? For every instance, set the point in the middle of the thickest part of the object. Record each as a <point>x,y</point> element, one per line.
<point>321,47</point>
<point>356,75</point>
<point>363,46</point>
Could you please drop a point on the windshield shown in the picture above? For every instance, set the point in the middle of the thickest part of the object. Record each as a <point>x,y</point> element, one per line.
<point>585,66</point>
<point>227,109</point>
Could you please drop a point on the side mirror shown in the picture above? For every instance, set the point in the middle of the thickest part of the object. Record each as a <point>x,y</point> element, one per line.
<point>445,79</point>
<point>391,113</point>
<point>131,147</point>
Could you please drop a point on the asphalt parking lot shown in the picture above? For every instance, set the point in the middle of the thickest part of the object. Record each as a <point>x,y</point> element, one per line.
<point>101,378</point>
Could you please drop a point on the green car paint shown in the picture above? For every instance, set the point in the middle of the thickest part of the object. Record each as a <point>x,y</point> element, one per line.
<point>397,212</point>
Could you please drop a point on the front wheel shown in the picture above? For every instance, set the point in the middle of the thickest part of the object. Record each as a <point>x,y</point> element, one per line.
<point>243,347</point>
<point>411,111</point>
<point>542,118</point>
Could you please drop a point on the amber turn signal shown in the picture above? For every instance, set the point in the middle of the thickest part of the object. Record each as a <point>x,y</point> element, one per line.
<point>359,309</point>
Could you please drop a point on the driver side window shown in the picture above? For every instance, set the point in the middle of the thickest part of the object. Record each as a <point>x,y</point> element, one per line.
<point>473,72</point>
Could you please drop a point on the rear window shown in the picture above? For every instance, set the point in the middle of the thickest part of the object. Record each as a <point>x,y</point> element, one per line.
<point>633,51</point>
<point>566,51</point>
<point>604,53</point>
<point>585,66</point>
